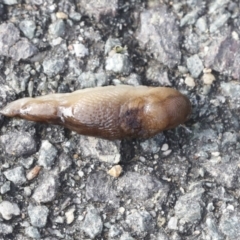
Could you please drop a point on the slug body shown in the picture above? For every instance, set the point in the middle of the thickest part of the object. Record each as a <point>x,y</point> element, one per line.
<point>113,112</point>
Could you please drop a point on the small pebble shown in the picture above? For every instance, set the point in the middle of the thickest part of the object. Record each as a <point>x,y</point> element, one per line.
<point>59,219</point>
<point>75,16</point>
<point>7,209</point>
<point>38,215</point>
<point>93,224</point>
<point>5,187</point>
<point>114,232</point>
<point>121,210</point>
<point>235,35</point>
<point>57,29</point>
<point>61,15</point>
<point>27,191</point>
<point>207,70</point>
<point>142,159</point>
<point>118,63</point>
<point>115,171</point>
<point>27,162</point>
<point>57,41</point>
<point>5,228</point>
<point>182,69</point>
<point>164,147</point>
<point>33,172</point>
<point>80,50</point>
<point>208,78</point>
<point>190,81</point>
<point>70,215</point>
<point>80,173</point>
<point>215,154</point>
<point>47,188</point>
<point>28,28</point>
<point>172,224</point>
<point>32,232</point>
<point>168,152</point>
<point>210,207</point>
<point>140,221</point>
<point>47,154</point>
<point>16,175</point>
<point>195,65</point>
<point>201,24</point>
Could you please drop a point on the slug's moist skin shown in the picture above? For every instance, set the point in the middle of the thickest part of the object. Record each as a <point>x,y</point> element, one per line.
<point>112,112</point>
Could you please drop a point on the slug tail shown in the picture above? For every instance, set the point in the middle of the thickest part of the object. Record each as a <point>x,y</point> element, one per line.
<point>33,109</point>
<point>13,109</point>
<point>5,111</point>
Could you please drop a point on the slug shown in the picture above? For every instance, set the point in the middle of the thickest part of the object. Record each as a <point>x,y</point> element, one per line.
<point>112,112</point>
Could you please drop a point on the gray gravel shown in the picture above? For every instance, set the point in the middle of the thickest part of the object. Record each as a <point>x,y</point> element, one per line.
<point>159,35</point>
<point>182,184</point>
<point>46,190</point>
<point>32,232</point>
<point>47,154</point>
<point>16,175</point>
<point>92,224</point>
<point>38,215</point>
<point>140,222</point>
<point>18,143</point>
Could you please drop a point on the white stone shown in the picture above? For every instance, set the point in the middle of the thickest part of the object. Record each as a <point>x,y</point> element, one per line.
<point>80,50</point>
<point>189,81</point>
<point>168,152</point>
<point>164,147</point>
<point>172,223</point>
<point>7,209</point>
<point>115,171</point>
<point>208,78</point>
<point>70,215</point>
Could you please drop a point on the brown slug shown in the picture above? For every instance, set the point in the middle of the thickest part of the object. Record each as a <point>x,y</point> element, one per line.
<point>112,112</point>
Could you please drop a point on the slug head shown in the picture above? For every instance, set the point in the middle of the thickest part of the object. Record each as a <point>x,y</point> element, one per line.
<point>161,114</point>
<point>144,117</point>
<point>177,110</point>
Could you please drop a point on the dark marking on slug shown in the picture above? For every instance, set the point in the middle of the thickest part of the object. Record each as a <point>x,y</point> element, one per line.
<point>113,112</point>
<point>130,121</point>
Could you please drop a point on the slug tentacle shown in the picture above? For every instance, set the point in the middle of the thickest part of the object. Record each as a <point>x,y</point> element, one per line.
<point>113,112</point>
